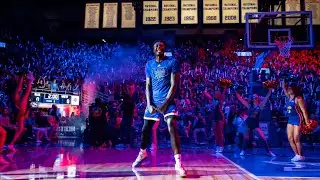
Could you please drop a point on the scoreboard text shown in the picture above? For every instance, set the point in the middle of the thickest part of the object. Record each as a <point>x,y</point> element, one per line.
<point>53,98</point>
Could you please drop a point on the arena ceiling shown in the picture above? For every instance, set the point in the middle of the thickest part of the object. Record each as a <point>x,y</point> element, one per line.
<point>65,19</point>
<point>42,16</point>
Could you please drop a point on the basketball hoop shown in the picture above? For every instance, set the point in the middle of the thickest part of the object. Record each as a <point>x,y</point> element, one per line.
<point>284,44</point>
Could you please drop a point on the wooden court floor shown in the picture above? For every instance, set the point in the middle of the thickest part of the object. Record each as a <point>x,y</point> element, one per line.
<point>46,162</point>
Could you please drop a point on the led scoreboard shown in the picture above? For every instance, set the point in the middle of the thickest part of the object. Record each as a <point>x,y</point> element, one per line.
<point>54,98</point>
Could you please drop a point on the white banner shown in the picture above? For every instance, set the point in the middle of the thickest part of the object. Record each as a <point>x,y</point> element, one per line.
<point>248,6</point>
<point>189,11</point>
<point>169,12</point>
<point>277,22</point>
<point>293,5</point>
<point>128,17</point>
<point>211,11</point>
<point>150,12</point>
<point>110,15</point>
<point>314,6</point>
<point>92,16</point>
<point>230,11</point>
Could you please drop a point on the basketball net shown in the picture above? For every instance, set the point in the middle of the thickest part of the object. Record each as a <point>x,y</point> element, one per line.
<point>284,44</point>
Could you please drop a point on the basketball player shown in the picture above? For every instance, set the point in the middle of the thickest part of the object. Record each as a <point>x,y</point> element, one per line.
<point>162,79</point>
<point>297,113</point>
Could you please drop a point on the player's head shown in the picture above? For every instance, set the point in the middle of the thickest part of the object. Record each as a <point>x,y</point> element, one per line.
<point>159,48</point>
<point>217,95</point>
<point>254,99</point>
<point>242,112</point>
<point>294,90</point>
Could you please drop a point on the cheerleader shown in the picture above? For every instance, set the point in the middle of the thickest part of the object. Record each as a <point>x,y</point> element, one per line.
<point>297,113</point>
<point>218,116</point>
<point>255,106</point>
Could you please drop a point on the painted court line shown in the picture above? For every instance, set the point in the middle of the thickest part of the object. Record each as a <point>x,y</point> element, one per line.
<point>281,177</point>
<point>292,169</point>
<point>239,167</point>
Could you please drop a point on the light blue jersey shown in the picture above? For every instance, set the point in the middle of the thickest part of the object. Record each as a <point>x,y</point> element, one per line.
<point>160,74</point>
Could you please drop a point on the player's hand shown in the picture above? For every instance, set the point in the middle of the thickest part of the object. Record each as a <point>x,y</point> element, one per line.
<point>163,108</point>
<point>151,109</point>
<point>307,122</point>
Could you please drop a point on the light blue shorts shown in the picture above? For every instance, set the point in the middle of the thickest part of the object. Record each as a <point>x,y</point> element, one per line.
<point>294,121</point>
<point>170,111</point>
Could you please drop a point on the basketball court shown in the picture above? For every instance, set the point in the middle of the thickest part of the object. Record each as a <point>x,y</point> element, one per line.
<point>60,162</point>
<point>264,31</point>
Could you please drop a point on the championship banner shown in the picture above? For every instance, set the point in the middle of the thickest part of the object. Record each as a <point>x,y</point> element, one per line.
<point>92,16</point>
<point>110,15</point>
<point>230,11</point>
<point>314,6</point>
<point>128,16</point>
<point>211,11</point>
<point>277,22</point>
<point>248,6</point>
<point>150,12</point>
<point>169,12</point>
<point>189,11</point>
<point>292,5</point>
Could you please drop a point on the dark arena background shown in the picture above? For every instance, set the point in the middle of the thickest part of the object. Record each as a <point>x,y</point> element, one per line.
<point>73,89</point>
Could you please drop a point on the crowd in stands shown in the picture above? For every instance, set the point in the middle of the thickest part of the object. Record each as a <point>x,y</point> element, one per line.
<point>67,67</point>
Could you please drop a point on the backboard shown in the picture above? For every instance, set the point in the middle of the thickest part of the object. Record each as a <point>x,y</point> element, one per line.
<point>263,28</point>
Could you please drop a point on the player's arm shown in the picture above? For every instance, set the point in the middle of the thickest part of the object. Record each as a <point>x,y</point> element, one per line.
<point>223,95</point>
<point>265,100</point>
<point>244,102</point>
<point>174,80</point>
<point>150,107</point>
<point>148,85</point>
<point>148,89</point>
<point>284,87</point>
<point>207,95</point>
<point>302,105</point>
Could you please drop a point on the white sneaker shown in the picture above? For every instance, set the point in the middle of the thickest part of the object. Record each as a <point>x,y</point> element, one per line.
<point>180,169</point>
<point>141,157</point>
<point>294,158</point>
<point>272,154</point>
<point>137,173</point>
<point>298,158</point>
<point>219,149</point>
<point>242,153</point>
